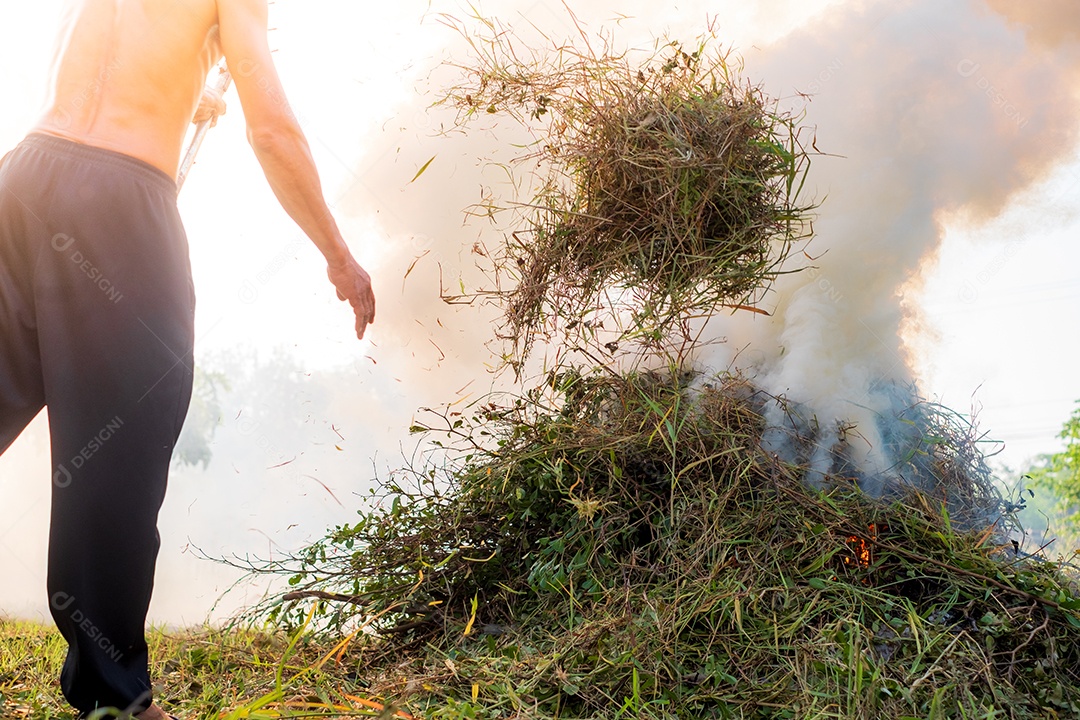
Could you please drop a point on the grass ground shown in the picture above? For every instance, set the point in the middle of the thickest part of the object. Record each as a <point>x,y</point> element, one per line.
<point>202,674</point>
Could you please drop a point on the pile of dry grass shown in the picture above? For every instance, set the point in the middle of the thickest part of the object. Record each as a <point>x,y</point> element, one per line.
<point>672,187</point>
<point>628,549</point>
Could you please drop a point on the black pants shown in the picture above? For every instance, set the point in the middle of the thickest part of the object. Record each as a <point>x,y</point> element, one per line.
<point>96,311</point>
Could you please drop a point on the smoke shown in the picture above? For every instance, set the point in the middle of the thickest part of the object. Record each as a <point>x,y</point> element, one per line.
<point>1046,22</point>
<point>929,113</point>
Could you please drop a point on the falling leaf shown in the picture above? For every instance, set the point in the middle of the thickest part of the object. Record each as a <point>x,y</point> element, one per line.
<point>421,170</point>
<point>412,266</point>
<point>327,489</point>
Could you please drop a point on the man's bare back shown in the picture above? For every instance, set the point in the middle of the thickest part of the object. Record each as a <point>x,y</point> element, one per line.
<point>128,77</point>
<point>129,74</point>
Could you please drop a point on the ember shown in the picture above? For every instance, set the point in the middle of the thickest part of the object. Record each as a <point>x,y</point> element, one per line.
<point>861,549</point>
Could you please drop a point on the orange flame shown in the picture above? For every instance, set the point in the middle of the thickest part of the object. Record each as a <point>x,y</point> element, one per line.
<point>861,548</point>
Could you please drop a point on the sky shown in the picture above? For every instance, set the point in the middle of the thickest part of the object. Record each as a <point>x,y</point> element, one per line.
<point>992,293</point>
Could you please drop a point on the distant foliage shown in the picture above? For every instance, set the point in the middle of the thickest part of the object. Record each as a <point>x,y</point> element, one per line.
<point>193,449</point>
<point>1060,474</point>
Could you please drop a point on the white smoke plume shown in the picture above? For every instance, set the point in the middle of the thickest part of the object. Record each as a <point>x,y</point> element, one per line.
<point>928,113</point>
<point>1046,23</point>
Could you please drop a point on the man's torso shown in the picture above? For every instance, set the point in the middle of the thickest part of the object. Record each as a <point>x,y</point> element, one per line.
<point>128,75</point>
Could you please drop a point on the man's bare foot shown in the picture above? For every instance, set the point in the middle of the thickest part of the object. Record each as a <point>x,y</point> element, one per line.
<point>153,713</point>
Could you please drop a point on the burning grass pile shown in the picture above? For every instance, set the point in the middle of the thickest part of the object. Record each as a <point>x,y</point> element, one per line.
<point>625,547</point>
<point>671,186</point>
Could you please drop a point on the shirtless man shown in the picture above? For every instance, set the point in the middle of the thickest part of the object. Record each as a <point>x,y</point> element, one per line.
<point>96,301</point>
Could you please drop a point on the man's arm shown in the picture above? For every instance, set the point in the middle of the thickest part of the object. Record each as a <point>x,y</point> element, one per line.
<point>283,151</point>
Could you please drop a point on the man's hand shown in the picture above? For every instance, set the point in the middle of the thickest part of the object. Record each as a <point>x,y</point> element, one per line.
<point>354,285</point>
<point>211,106</point>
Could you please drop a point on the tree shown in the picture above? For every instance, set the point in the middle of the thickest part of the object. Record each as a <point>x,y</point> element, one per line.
<point>1059,474</point>
<point>204,417</point>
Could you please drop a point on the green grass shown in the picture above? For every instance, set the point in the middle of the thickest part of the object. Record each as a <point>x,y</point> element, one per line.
<point>198,674</point>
